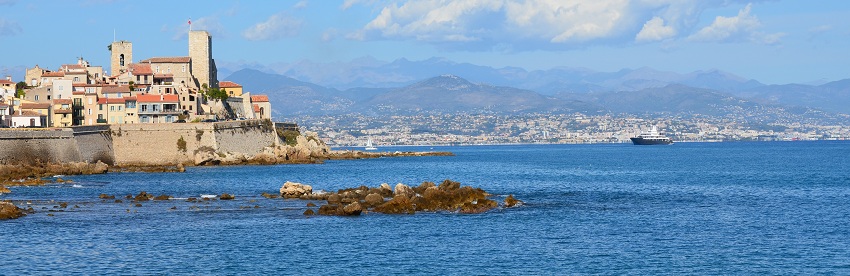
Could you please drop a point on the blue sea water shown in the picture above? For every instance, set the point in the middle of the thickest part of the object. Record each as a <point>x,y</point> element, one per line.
<point>688,208</point>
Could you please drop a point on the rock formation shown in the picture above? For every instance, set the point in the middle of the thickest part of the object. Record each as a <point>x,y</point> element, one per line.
<point>10,211</point>
<point>295,190</point>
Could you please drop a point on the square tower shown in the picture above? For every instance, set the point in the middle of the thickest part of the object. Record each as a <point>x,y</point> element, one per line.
<point>203,65</point>
<point>122,56</point>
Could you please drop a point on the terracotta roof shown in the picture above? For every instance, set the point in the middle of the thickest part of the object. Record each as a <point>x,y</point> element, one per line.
<point>256,108</point>
<point>140,69</point>
<point>151,98</point>
<point>167,60</point>
<point>73,66</point>
<point>61,101</point>
<point>27,113</point>
<point>53,74</point>
<point>110,101</point>
<point>75,73</point>
<point>35,105</point>
<point>114,89</point>
<point>79,93</point>
<point>259,98</point>
<point>228,84</point>
<point>63,111</point>
<point>163,76</point>
<point>7,82</point>
<point>131,99</point>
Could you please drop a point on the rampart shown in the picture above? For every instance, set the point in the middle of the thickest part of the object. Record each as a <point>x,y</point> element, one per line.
<point>135,144</point>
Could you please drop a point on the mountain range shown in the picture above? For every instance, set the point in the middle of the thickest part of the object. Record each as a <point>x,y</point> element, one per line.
<point>443,86</point>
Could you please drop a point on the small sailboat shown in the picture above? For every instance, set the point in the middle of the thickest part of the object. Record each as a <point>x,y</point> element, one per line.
<point>369,145</point>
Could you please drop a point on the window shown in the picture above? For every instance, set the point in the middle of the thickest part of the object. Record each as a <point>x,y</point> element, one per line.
<point>121,60</point>
<point>76,79</point>
<point>119,108</point>
<point>144,107</point>
<point>169,69</point>
<point>48,97</point>
<point>112,108</point>
<point>36,97</point>
<point>100,107</point>
<point>89,111</point>
<point>157,68</point>
<point>90,102</point>
<point>183,68</point>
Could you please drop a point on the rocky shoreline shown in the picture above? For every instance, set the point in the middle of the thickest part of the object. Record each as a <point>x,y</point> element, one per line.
<point>297,149</point>
<point>448,196</point>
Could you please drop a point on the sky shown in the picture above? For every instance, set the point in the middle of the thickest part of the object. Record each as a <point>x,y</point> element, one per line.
<point>775,42</point>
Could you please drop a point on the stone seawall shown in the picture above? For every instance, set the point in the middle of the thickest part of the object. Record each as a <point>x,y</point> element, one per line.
<point>29,146</point>
<point>136,144</point>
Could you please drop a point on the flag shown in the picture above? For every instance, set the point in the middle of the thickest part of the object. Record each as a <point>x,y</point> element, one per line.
<point>190,21</point>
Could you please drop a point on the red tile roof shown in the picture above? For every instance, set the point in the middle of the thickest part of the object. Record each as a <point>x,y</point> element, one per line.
<point>114,89</point>
<point>62,111</point>
<point>53,74</point>
<point>61,101</point>
<point>163,76</point>
<point>6,82</point>
<point>27,113</point>
<point>130,99</point>
<point>256,108</point>
<point>73,66</point>
<point>259,98</point>
<point>151,98</point>
<point>228,84</point>
<point>140,69</point>
<point>167,60</point>
<point>110,101</point>
<point>35,105</point>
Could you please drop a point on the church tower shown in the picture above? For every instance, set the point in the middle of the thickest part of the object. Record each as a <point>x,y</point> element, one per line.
<point>203,65</point>
<point>122,56</point>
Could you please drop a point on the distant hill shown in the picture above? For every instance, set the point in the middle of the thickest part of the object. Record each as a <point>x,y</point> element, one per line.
<point>370,72</point>
<point>832,96</point>
<point>451,94</point>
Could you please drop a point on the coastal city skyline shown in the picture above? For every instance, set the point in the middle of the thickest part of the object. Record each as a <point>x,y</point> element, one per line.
<point>774,42</point>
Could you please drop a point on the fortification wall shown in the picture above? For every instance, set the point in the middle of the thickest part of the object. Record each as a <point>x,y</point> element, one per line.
<point>25,146</point>
<point>248,137</point>
<point>159,144</point>
<point>135,144</point>
<point>94,144</point>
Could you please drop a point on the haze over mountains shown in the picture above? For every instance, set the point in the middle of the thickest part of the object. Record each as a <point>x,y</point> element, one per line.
<point>437,84</point>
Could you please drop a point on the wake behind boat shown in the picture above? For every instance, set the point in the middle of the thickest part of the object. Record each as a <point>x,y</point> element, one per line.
<point>652,137</point>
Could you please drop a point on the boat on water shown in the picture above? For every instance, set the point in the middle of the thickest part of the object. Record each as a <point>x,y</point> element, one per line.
<point>652,137</point>
<point>369,145</point>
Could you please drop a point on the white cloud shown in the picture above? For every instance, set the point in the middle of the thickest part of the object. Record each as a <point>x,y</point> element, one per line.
<point>550,24</point>
<point>330,35</point>
<point>655,30</point>
<point>276,27</point>
<point>300,5</point>
<point>9,28</point>
<point>740,28</point>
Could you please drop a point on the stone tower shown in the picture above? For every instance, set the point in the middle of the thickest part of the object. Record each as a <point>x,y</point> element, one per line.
<point>203,65</point>
<point>122,56</point>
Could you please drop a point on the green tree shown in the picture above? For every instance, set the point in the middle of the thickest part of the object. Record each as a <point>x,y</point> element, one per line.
<point>213,93</point>
<point>19,89</point>
<point>132,85</point>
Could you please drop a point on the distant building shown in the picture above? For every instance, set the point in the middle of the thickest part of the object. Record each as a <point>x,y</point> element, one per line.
<point>231,88</point>
<point>262,107</point>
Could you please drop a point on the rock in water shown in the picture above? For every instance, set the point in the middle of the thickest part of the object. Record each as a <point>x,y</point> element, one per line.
<point>510,201</point>
<point>374,199</point>
<point>105,196</point>
<point>295,190</point>
<point>143,196</point>
<point>10,211</point>
<point>334,199</point>
<point>162,197</point>
<point>353,209</point>
<point>309,212</point>
<point>404,190</point>
<point>226,196</point>
<point>400,204</point>
<point>4,190</point>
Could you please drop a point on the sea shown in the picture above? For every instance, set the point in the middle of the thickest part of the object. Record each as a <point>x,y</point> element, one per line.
<point>732,208</point>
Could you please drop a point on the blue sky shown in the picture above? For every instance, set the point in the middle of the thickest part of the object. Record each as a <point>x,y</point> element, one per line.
<point>774,42</point>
